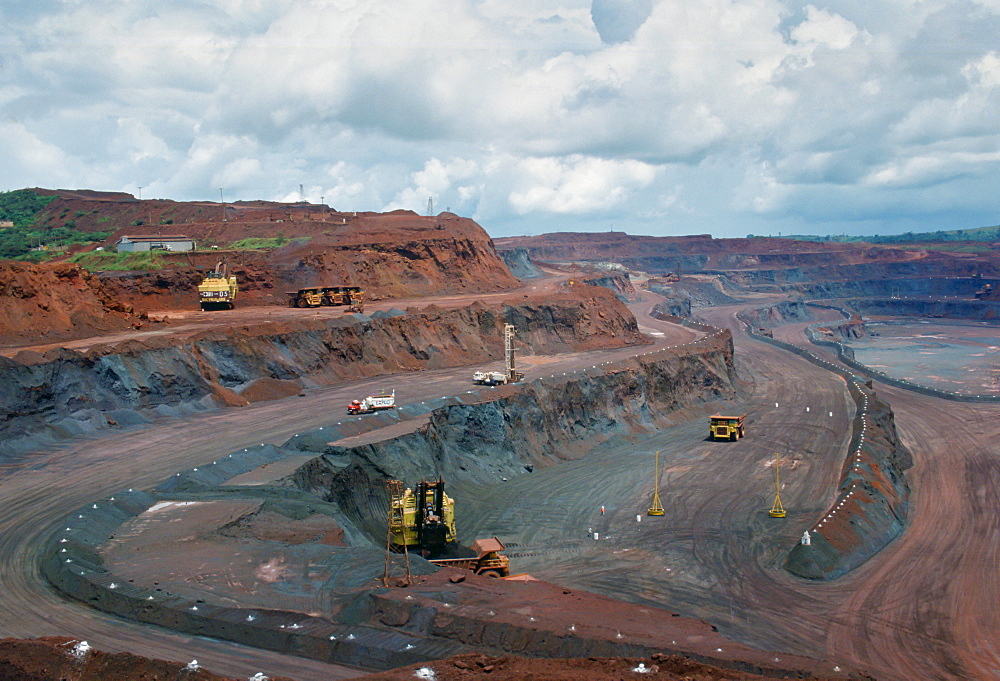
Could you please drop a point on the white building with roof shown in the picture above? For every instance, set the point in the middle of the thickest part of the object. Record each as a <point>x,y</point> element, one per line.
<point>155,243</point>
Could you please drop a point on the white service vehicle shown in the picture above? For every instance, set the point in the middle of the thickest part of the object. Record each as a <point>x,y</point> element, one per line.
<point>372,403</point>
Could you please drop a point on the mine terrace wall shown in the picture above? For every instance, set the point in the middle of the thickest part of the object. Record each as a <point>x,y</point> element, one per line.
<point>619,282</point>
<point>872,500</point>
<point>525,421</point>
<point>536,425</point>
<point>958,309</point>
<point>62,392</point>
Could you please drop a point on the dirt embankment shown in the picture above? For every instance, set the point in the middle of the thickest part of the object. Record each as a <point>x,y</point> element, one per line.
<point>61,657</point>
<point>872,501</point>
<point>391,255</point>
<point>50,658</point>
<point>57,302</point>
<point>63,391</point>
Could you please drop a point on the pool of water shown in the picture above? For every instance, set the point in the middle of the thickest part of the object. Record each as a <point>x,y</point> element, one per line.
<point>943,354</point>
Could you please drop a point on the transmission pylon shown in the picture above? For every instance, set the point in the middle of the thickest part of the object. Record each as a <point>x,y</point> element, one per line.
<point>395,489</point>
<point>657,507</point>
<point>777,510</point>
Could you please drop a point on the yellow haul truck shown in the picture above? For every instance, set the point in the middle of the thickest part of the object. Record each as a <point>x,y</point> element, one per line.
<point>726,427</point>
<point>217,291</point>
<point>315,296</point>
<point>423,519</point>
<point>488,561</point>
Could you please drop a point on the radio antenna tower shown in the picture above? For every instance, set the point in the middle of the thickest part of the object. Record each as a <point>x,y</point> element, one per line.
<point>430,205</point>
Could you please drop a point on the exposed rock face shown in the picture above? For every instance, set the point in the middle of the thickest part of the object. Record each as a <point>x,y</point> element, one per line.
<point>786,312</point>
<point>56,302</point>
<point>814,270</point>
<point>618,282</point>
<point>853,328</point>
<point>65,391</point>
<point>673,307</point>
<point>520,264</point>
<point>961,309</point>
<point>534,426</point>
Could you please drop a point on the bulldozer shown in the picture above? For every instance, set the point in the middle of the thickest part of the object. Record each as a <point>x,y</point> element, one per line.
<point>217,291</point>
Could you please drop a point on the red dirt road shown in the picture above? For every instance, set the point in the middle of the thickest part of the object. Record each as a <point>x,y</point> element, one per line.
<point>924,608</point>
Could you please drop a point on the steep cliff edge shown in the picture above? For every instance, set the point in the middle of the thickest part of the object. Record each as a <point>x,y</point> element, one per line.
<point>65,392</point>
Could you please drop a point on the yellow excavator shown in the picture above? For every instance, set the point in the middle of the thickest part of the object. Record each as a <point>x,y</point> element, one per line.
<point>217,291</point>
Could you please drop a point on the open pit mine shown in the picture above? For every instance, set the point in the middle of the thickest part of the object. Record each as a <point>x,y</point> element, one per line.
<point>395,448</point>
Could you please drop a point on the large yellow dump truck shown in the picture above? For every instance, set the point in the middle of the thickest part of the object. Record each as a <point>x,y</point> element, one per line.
<point>726,427</point>
<point>489,560</point>
<point>315,296</point>
<point>217,291</point>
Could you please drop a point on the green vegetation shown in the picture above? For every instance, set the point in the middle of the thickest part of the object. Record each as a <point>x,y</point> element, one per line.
<point>102,261</point>
<point>22,206</point>
<point>256,243</point>
<point>27,240</point>
<point>976,235</point>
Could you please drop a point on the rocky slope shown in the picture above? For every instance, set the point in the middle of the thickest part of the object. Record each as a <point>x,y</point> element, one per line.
<point>63,391</point>
<point>537,425</point>
<point>56,302</point>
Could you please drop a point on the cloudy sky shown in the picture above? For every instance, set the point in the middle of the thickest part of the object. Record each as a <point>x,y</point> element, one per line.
<point>647,116</point>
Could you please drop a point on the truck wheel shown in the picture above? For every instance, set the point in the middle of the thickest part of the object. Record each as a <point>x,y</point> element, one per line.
<point>490,573</point>
<point>301,302</point>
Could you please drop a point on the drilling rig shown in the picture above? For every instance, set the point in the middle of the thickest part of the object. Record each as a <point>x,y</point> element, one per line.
<point>510,374</point>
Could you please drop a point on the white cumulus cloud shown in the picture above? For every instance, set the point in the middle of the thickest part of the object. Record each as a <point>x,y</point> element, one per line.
<point>722,116</point>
